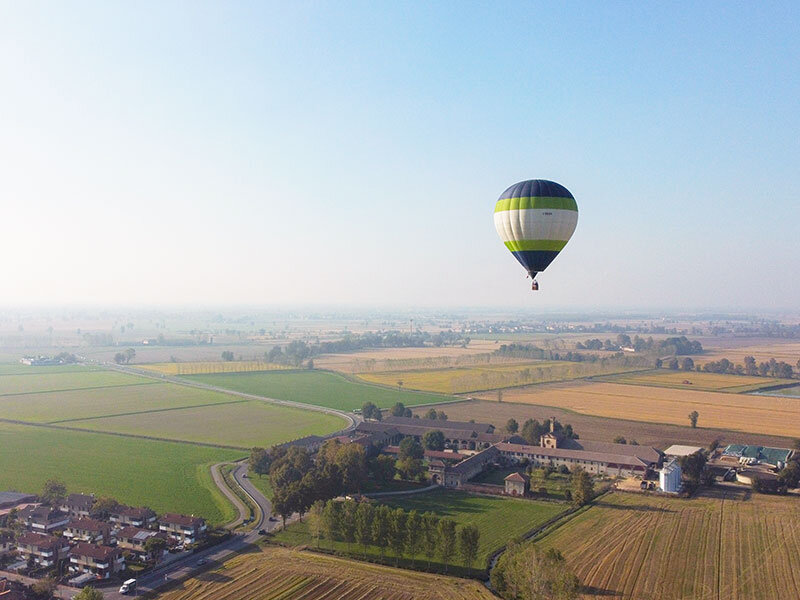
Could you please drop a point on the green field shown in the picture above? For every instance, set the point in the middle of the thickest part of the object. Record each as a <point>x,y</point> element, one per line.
<point>20,369</point>
<point>70,405</point>
<point>244,423</point>
<point>65,380</point>
<point>695,380</point>
<point>321,388</point>
<point>498,519</point>
<point>261,483</point>
<point>165,476</point>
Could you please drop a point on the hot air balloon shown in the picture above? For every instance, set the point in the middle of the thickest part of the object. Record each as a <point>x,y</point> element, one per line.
<point>535,220</point>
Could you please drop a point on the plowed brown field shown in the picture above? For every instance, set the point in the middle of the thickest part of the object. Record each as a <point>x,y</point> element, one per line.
<point>720,546</point>
<point>278,573</point>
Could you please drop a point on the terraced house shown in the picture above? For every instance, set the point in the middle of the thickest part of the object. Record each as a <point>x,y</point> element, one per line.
<point>132,516</point>
<point>183,529</point>
<point>44,550</point>
<point>133,539</point>
<point>101,561</point>
<point>88,530</point>
<point>78,505</point>
<point>43,519</point>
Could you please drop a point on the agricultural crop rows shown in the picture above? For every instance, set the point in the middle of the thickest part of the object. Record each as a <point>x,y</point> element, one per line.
<point>712,548</point>
<point>280,574</point>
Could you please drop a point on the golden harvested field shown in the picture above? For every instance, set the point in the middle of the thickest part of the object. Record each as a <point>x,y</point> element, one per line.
<point>489,377</point>
<point>602,429</point>
<point>762,349</point>
<point>385,359</point>
<point>201,368</point>
<point>719,546</point>
<point>274,573</point>
<point>692,380</point>
<point>770,415</point>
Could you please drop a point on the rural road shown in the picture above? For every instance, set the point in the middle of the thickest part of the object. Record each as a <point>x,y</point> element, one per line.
<point>241,509</point>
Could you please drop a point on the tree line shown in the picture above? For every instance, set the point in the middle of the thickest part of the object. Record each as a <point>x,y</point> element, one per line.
<point>770,368</point>
<point>524,572</point>
<point>405,533</point>
<point>371,412</point>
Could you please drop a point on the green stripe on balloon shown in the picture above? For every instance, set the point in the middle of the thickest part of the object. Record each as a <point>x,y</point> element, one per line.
<point>523,245</point>
<point>536,202</point>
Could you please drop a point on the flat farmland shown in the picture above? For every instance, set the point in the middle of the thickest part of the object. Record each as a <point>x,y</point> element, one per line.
<point>68,405</point>
<point>466,380</point>
<point>604,429</point>
<point>198,368</point>
<point>382,359</point>
<point>693,380</point>
<point>244,424</point>
<point>320,388</point>
<point>63,380</point>
<point>274,573</point>
<point>769,415</point>
<point>762,349</point>
<point>165,476</point>
<point>20,369</point>
<point>720,545</point>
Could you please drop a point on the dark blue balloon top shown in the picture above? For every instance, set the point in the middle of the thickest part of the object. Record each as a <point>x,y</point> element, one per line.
<point>536,188</point>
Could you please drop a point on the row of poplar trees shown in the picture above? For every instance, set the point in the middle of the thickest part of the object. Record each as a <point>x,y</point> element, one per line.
<point>405,533</point>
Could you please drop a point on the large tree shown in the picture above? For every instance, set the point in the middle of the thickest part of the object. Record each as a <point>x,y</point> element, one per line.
<point>399,410</point>
<point>398,533</point>
<point>524,572</point>
<point>53,492</point>
<point>582,487</point>
<point>468,538</point>
<point>447,540</point>
<point>414,533</point>
<point>259,461</point>
<point>364,517</point>
<point>380,527</point>
<point>370,411</point>
<point>430,535</point>
<point>693,416</point>
<point>433,440</point>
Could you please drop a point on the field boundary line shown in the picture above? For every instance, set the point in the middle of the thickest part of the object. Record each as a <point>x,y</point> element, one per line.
<point>144,412</point>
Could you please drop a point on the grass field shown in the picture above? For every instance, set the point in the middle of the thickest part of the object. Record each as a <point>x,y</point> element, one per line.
<point>791,392</point>
<point>710,382</point>
<point>82,404</point>
<point>199,368</point>
<point>316,387</point>
<point>498,519</point>
<point>711,547</point>
<point>770,415</point>
<point>465,380</point>
<point>601,428</point>
<point>261,483</point>
<point>165,476</point>
<point>274,573</point>
<point>64,380</point>
<point>245,424</point>
<point>20,369</point>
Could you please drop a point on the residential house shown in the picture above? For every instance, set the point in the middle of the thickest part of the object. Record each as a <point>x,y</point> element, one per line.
<point>182,528</point>
<point>7,543</point>
<point>517,484</point>
<point>134,516</point>
<point>43,519</point>
<point>13,499</point>
<point>88,530</point>
<point>78,505</point>
<point>45,550</point>
<point>101,561</point>
<point>133,539</point>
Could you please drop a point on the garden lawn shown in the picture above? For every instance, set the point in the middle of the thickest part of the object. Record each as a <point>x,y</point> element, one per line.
<point>243,424</point>
<point>164,476</point>
<point>321,388</point>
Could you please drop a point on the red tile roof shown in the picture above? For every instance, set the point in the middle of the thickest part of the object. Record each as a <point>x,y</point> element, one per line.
<point>45,542</point>
<point>95,551</point>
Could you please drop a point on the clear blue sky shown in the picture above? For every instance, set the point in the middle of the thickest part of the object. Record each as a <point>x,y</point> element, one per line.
<point>320,153</point>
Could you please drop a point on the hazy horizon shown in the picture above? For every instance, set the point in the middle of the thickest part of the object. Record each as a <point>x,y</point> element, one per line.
<point>253,155</point>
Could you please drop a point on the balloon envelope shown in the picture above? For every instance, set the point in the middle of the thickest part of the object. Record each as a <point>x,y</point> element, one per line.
<point>535,220</point>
